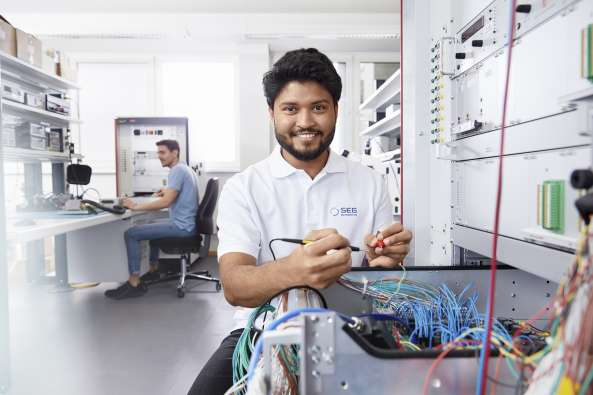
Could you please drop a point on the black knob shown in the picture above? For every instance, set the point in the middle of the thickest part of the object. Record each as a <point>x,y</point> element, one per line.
<point>584,206</point>
<point>477,43</point>
<point>523,8</point>
<point>460,55</point>
<point>581,179</point>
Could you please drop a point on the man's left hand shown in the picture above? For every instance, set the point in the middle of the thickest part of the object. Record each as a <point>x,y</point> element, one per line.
<point>129,203</point>
<point>396,241</point>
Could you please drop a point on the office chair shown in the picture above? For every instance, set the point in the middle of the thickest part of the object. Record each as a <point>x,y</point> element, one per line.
<point>184,246</point>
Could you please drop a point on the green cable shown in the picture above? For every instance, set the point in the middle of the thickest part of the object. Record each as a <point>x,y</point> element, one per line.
<point>587,382</point>
<point>557,380</point>
<point>243,349</point>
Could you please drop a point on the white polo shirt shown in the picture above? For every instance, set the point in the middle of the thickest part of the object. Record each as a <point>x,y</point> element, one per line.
<point>272,199</point>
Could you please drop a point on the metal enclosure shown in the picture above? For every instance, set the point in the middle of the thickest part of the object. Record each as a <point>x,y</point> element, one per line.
<point>138,169</point>
<point>334,361</point>
<point>461,52</point>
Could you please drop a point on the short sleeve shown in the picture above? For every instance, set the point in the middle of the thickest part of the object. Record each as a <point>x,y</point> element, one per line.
<point>237,231</point>
<point>175,179</point>
<point>384,210</point>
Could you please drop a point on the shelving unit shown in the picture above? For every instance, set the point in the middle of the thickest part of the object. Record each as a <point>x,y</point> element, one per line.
<point>389,155</point>
<point>12,154</point>
<point>389,124</point>
<point>39,80</point>
<point>386,95</point>
<point>36,113</point>
<point>26,72</point>
<point>31,77</point>
<point>18,70</point>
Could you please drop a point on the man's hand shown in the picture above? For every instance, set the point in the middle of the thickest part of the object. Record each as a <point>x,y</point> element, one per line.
<point>320,263</point>
<point>396,242</point>
<point>160,193</point>
<point>129,203</point>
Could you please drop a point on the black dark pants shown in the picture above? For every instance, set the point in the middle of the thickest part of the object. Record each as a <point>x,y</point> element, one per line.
<point>217,375</point>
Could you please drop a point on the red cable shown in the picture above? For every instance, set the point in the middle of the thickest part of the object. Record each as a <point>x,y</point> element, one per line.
<point>432,369</point>
<point>496,375</point>
<point>401,111</point>
<point>491,296</point>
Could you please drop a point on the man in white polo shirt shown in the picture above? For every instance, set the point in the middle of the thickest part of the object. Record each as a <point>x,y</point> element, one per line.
<point>303,190</point>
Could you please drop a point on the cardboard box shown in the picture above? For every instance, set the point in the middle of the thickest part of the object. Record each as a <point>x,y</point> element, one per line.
<point>7,37</point>
<point>49,62</point>
<point>67,67</point>
<point>28,48</point>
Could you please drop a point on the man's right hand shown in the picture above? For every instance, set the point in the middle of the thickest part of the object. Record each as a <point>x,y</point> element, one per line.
<point>320,263</point>
<point>159,193</point>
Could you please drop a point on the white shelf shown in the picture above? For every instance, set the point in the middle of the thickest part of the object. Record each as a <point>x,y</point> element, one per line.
<point>547,237</point>
<point>389,155</point>
<point>584,95</point>
<point>389,124</point>
<point>32,74</point>
<point>12,154</point>
<point>387,94</point>
<point>29,111</point>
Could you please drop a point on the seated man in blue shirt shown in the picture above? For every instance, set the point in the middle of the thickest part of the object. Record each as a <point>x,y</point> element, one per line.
<point>181,197</point>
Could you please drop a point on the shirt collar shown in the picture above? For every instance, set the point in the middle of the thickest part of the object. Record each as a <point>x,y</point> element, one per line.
<point>281,168</point>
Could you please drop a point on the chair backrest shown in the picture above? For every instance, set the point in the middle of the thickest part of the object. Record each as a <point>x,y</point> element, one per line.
<point>205,215</point>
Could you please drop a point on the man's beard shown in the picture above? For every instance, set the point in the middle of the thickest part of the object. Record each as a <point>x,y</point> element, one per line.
<point>305,156</point>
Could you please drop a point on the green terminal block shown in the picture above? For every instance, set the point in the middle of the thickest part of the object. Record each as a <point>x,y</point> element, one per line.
<point>587,53</point>
<point>551,205</point>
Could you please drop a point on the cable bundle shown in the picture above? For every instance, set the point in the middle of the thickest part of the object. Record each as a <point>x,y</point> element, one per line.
<point>430,315</point>
<point>565,365</point>
<point>245,344</point>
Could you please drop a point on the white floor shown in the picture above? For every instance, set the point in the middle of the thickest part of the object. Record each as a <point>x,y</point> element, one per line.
<point>80,342</point>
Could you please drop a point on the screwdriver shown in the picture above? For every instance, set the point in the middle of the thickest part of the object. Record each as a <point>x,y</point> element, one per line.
<point>305,242</point>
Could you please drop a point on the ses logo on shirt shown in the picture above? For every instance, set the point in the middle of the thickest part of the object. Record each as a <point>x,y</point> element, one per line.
<point>344,211</point>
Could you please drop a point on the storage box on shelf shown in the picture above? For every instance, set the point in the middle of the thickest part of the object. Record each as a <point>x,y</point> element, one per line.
<point>7,37</point>
<point>49,62</point>
<point>28,48</point>
<point>67,67</point>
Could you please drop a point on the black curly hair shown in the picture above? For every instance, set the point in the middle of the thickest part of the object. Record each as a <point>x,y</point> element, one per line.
<point>302,65</point>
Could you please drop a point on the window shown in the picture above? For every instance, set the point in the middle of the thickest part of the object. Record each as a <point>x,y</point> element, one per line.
<point>204,92</point>
<point>110,90</point>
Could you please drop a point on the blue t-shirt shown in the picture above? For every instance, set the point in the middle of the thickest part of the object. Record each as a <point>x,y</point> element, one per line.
<point>183,210</point>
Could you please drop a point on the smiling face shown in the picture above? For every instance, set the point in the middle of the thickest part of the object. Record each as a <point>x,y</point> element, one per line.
<point>304,116</point>
<point>166,156</point>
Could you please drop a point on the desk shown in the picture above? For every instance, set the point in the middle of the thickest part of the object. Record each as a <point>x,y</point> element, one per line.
<point>88,248</point>
<point>48,224</point>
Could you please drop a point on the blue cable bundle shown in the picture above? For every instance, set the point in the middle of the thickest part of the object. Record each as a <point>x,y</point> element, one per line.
<point>431,315</point>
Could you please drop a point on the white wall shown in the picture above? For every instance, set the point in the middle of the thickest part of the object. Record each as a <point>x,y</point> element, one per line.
<point>253,128</point>
<point>254,124</point>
